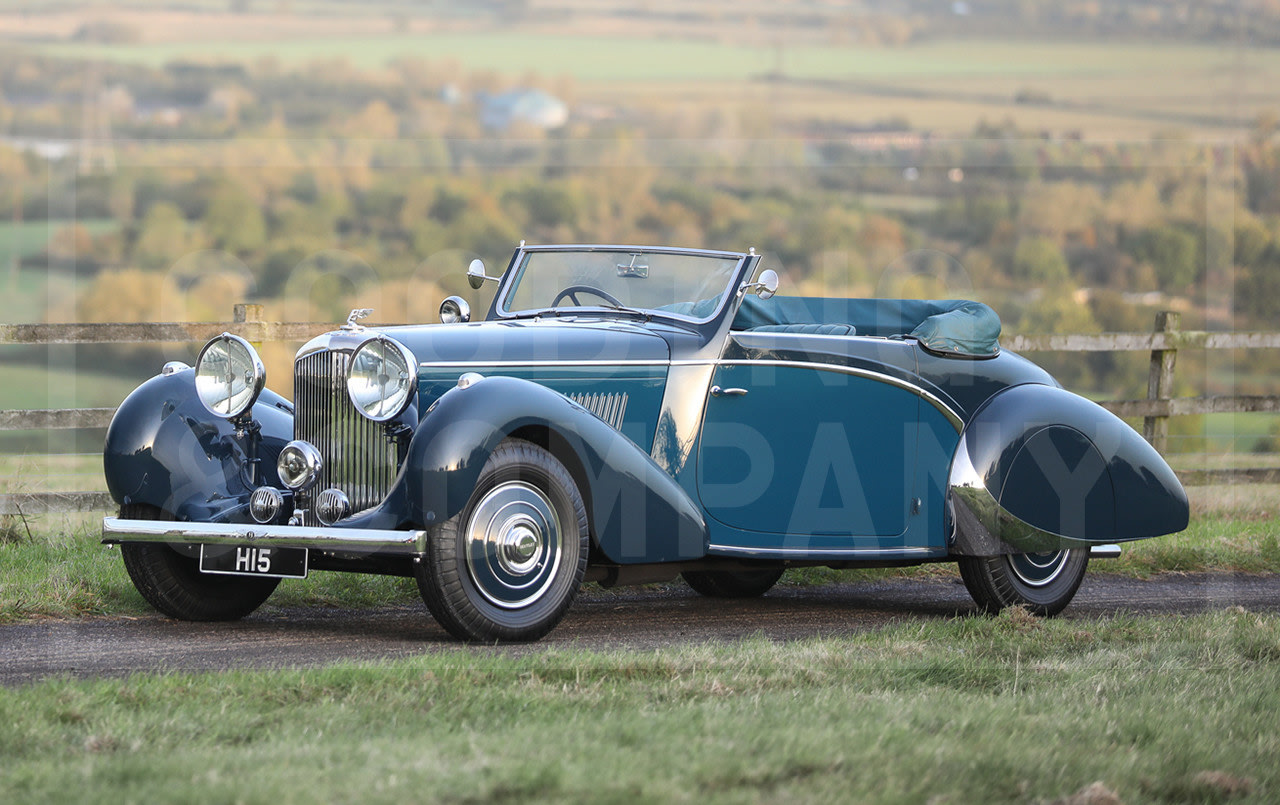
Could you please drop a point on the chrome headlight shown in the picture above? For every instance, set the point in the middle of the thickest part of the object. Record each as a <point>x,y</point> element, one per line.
<point>229,375</point>
<point>382,378</point>
<point>455,310</point>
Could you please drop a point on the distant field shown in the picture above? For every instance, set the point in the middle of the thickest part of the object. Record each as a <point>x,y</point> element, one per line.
<point>1111,89</point>
<point>29,238</point>
<point>609,58</point>
<point>24,297</point>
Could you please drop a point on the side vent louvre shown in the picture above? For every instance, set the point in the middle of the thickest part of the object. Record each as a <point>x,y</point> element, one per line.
<point>609,407</point>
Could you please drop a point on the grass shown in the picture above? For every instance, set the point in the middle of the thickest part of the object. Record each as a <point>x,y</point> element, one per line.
<point>66,472</point>
<point>35,386</point>
<point>1007,709</point>
<point>72,575</point>
<point>62,572</point>
<point>640,58</point>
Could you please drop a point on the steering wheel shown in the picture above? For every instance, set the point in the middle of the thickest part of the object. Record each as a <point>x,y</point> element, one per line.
<point>573,290</point>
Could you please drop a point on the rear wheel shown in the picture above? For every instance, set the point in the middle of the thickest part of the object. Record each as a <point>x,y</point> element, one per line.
<point>733,583</point>
<point>173,584</point>
<point>1044,583</point>
<point>507,567</point>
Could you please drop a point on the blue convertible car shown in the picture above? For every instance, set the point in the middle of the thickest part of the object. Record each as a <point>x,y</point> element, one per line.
<point>622,415</point>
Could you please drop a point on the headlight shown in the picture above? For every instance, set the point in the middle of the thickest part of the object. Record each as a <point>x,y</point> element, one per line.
<point>382,379</point>
<point>455,310</point>
<point>299,465</point>
<point>229,375</point>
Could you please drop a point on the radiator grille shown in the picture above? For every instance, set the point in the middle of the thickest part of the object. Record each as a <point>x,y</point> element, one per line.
<point>609,407</point>
<point>359,459</point>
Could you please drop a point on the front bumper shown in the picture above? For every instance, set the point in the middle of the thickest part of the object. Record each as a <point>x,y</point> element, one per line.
<point>362,541</point>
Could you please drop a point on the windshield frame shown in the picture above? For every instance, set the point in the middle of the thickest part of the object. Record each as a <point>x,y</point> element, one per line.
<point>729,297</point>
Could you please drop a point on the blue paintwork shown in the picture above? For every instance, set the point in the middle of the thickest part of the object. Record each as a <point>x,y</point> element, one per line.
<point>840,450</point>
<point>165,449</point>
<point>576,356</point>
<point>1068,466</point>
<point>637,511</point>
<point>844,471</point>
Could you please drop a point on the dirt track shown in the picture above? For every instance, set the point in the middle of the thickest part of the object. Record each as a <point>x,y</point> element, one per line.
<point>641,619</point>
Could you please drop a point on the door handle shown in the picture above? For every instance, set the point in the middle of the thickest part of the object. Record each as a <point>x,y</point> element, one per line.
<point>716,391</point>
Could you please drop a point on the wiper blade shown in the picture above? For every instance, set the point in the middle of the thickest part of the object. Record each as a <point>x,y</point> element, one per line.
<point>644,314</point>
<point>535,314</point>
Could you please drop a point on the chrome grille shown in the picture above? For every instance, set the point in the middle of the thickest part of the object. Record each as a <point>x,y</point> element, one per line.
<point>359,459</point>
<point>609,407</point>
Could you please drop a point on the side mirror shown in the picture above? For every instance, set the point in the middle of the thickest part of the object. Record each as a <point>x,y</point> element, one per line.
<point>767,284</point>
<point>476,276</point>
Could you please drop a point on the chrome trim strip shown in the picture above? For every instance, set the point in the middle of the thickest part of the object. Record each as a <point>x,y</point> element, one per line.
<point>623,362</point>
<point>359,540</point>
<point>952,416</point>
<point>827,552</point>
<point>1104,552</point>
<point>769,335</point>
<point>625,247</point>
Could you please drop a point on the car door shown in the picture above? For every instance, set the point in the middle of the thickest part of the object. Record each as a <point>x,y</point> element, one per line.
<point>810,451</point>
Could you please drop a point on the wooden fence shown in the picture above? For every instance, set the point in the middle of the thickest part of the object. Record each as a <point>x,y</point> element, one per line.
<point>1155,409</point>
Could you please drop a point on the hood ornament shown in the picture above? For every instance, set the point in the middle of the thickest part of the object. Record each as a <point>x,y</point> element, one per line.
<point>355,316</point>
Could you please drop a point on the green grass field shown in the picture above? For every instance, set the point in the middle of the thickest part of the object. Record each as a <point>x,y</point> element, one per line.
<point>618,58</point>
<point>1006,709</point>
<point>60,387</point>
<point>1117,88</point>
<point>30,238</point>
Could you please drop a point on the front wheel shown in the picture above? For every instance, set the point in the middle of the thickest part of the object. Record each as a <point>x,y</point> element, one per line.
<point>173,584</point>
<point>507,567</point>
<point>1044,583</point>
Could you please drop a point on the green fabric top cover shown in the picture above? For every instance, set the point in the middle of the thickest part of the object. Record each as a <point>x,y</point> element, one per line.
<point>948,326</point>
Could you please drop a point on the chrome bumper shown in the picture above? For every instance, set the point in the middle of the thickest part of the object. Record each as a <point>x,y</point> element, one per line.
<point>338,540</point>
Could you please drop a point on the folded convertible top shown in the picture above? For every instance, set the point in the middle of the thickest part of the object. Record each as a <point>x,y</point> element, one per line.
<point>948,326</point>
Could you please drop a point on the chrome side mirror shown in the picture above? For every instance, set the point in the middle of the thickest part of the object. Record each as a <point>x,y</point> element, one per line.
<point>455,310</point>
<point>765,286</point>
<point>476,276</point>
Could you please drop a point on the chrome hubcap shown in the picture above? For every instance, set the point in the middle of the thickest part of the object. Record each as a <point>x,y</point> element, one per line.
<point>1038,569</point>
<point>513,545</point>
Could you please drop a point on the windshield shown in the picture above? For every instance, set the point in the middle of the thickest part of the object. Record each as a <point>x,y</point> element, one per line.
<point>686,285</point>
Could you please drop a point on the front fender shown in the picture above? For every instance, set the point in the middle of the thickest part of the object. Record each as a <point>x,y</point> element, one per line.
<point>1039,468</point>
<point>638,513</point>
<point>166,450</point>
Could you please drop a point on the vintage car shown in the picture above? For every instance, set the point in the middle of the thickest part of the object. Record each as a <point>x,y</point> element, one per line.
<point>623,415</point>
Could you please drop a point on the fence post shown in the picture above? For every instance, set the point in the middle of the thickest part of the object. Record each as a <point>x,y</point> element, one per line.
<point>245,313</point>
<point>1155,429</point>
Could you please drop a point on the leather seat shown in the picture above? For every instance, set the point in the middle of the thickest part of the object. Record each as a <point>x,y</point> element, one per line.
<point>807,329</point>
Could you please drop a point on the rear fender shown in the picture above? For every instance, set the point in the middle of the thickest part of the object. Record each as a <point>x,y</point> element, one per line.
<point>164,449</point>
<point>1039,468</point>
<point>638,513</point>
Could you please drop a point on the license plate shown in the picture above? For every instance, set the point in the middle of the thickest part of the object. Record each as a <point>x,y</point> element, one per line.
<point>280,563</point>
